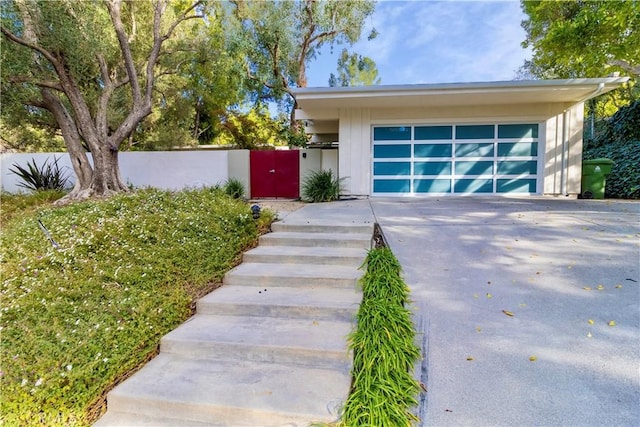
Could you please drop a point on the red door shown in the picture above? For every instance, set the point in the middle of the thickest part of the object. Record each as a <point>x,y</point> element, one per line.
<point>275,173</point>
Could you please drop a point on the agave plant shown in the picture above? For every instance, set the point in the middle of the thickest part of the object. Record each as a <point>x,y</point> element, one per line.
<point>49,176</point>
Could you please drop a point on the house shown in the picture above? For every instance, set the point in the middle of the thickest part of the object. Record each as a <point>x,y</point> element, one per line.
<point>511,137</point>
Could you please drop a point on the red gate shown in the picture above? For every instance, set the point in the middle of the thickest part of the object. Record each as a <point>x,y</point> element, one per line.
<point>275,173</point>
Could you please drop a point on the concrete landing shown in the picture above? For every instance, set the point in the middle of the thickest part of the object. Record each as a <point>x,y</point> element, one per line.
<point>269,348</point>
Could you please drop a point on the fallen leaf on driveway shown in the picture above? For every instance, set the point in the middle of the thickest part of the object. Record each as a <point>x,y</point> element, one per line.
<point>508,313</point>
<point>612,323</point>
<point>532,358</point>
<point>469,358</point>
<point>489,295</point>
<point>478,329</point>
<point>600,287</point>
<point>587,288</point>
<point>591,322</point>
<point>618,286</point>
<point>589,335</point>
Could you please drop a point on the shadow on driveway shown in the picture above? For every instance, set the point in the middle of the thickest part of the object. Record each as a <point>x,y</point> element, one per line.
<point>564,268</point>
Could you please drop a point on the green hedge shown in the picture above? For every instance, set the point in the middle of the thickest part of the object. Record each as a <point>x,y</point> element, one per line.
<point>619,140</point>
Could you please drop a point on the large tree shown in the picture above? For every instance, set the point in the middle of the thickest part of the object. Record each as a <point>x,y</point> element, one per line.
<point>92,66</point>
<point>355,70</point>
<point>280,38</point>
<point>572,39</point>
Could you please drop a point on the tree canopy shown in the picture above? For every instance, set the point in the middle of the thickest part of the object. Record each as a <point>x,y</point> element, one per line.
<point>355,70</point>
<point>280,38</point>
<point>573,39</point>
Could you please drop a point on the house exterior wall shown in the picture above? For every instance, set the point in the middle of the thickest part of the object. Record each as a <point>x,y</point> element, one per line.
<point>560,165</point>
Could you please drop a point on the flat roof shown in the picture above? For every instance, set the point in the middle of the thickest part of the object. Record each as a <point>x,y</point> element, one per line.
<point>566,91</point>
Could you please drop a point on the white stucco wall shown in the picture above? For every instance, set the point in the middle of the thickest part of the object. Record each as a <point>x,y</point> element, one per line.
<point>355,126</point>
<point>171,170</point>
<point>238,162</point>
<point>310,160</point>
<point>330,160</point>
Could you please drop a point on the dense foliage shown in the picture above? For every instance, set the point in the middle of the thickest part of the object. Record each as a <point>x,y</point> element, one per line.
<point>383,392</point>
<point>79,316</point>
<point>618,139</point>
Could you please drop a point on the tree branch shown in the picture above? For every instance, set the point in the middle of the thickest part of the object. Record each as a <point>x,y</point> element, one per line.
<point>114,12</point>
<point>633,69</point>
<point>48,55</point>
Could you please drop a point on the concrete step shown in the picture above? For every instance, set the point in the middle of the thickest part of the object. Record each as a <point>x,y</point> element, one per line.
<point>304,302</point>
<point>301,342</point>
<point>323,228</point>
<point>306,255</point>
<point>265,275</point>
<point>331,240</point>
<point>124,419</point>
<point>238,394</point>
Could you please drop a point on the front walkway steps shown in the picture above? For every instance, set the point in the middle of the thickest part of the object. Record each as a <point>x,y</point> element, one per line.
<point>267,349</point>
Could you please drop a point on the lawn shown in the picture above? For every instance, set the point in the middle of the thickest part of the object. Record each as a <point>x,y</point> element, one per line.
<point>78,315</point>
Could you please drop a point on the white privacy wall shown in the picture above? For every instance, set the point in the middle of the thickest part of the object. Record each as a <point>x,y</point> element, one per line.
<point>170,170</point>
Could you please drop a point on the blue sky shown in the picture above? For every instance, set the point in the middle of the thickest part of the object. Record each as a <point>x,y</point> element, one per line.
<point>424,41</point>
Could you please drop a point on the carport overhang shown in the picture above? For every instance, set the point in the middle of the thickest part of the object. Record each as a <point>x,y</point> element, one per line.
<point>321,107</point>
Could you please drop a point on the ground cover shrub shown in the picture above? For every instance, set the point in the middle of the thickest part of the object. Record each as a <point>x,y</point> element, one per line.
<point>619,140</point>
<point>383,391</point>
<point>22,204</point>
<point>75,319</point>
<point>49,176</point>
<point>321,186</point>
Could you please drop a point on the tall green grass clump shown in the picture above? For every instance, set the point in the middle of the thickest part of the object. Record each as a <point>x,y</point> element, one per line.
<point>79,315</point>
<point>383,391</point>
<point>234,188</point>
<point>321,186</point>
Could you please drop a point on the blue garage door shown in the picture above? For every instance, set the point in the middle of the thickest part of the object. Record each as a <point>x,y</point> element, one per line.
<point>455,159</point>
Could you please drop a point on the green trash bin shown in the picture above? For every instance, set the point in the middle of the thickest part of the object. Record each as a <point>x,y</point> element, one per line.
<point>594,177</point>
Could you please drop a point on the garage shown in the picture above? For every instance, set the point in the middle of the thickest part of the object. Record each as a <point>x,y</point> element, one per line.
<point>446,139</point>
<point>455,159</point>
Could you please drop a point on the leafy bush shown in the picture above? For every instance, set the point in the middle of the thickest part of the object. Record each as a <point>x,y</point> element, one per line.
<point>619,140</point>
<point>383,390</point>
<point>234,188</point>
<point>321,186</point>
<point>76,319</point>
<point>47,177</point>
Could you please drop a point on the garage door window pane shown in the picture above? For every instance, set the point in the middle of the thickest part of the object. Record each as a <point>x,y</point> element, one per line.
<point>474,186</point>
<point>392,133</point>
<point>392,168</point>
<point>432,150</point>
<point>475,132</point>
<point>474,150</point>
<point>518,149</point>
<point>516,186</point>
<point>517,168</point>
<point>474,168</point>
<point>432,168</point>
<point>391,151</point>
<point>433,132</point>
<point>518,131</point>
<point>391,186</point>
<point>432,185</point>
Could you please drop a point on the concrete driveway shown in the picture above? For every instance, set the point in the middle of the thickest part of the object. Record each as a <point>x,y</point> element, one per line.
<point>564,269</point>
